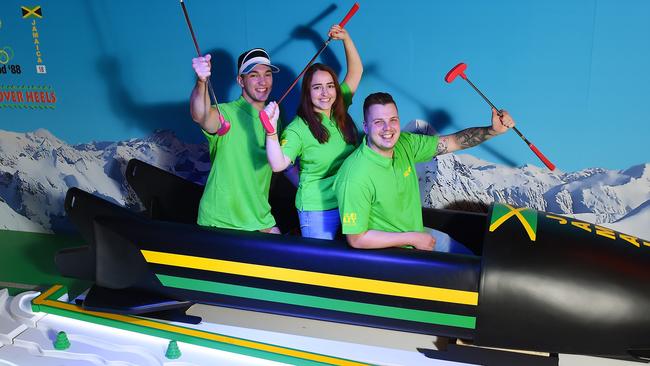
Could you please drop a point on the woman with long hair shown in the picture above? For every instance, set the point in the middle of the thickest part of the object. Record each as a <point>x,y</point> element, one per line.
<point>321,136</point>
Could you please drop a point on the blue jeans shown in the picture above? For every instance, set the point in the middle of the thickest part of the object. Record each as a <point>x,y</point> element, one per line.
<point>446,244</point>
<point>319,224</point>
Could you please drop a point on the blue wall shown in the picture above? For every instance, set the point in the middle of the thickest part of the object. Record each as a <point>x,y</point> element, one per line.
<point>574,74</point>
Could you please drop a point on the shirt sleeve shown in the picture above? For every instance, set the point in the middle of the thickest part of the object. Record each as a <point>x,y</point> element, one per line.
<point>354,201</point>
<point>423,147</point>
<point>291,141</point>
<point>347,95</point>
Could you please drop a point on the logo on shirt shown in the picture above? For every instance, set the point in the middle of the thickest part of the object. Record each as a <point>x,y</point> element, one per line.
<point>350,218</point>
<point>283,142</point>
<point>407,172</point>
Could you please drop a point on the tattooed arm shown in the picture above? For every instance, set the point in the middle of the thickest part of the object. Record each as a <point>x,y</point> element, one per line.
<point>463,139</point>
<point>475,135</point>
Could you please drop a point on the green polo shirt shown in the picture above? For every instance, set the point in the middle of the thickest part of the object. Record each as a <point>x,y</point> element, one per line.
<point>379,193</point>
<point>318,162</point>
<point>236,195</point>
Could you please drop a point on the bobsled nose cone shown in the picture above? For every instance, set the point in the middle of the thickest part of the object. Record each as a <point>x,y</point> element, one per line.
<point>565,286</point>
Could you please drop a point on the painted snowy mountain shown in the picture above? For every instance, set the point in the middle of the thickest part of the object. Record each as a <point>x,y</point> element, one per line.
<point>36,170</point>
<point>607,197</point>
<point>635,221</point>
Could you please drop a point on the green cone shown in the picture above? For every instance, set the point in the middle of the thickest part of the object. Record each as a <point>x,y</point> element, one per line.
<point>173,352</point>
<point>61,343</point>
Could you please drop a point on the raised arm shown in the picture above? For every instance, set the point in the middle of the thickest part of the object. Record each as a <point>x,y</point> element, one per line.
<point>473,136</point>
<point>352,58</point>
<point>200,105</point>
<point>375,239</point>
<point>277,160</point>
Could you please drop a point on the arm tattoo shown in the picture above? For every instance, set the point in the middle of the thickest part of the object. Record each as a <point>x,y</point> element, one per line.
<point>473,136</point>
<point>443,146</point>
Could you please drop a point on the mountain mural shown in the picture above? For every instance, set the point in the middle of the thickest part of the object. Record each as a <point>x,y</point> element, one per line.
<point>37,168</point>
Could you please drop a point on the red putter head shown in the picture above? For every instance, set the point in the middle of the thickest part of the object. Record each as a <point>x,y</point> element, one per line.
<point>456,71</point>
<point>225,126</point>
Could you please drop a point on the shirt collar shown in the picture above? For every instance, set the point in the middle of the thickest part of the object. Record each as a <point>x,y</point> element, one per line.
<point>247,107</point>
<point>326,120</point>
<point>374,156</point>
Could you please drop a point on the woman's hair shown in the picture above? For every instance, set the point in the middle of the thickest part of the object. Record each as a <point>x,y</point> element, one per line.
<point>339,113</point>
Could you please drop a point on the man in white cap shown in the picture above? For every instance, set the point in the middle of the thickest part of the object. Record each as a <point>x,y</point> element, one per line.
<point>237,191</point>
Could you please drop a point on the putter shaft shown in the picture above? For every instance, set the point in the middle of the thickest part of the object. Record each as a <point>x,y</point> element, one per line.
<point>198,51</point>
<point>497,109</point>
<point>305,69</point>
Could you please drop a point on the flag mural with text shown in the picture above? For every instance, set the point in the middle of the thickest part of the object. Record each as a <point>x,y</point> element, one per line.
<point>24,84</point>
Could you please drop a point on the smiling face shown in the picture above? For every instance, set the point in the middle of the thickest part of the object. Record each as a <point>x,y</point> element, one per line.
<point>323,92</point>
<point>256,85</point>
<point>382,128</point>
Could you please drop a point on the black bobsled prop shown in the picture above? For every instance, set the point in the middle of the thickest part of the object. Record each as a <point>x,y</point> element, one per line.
<point>538,281</point>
